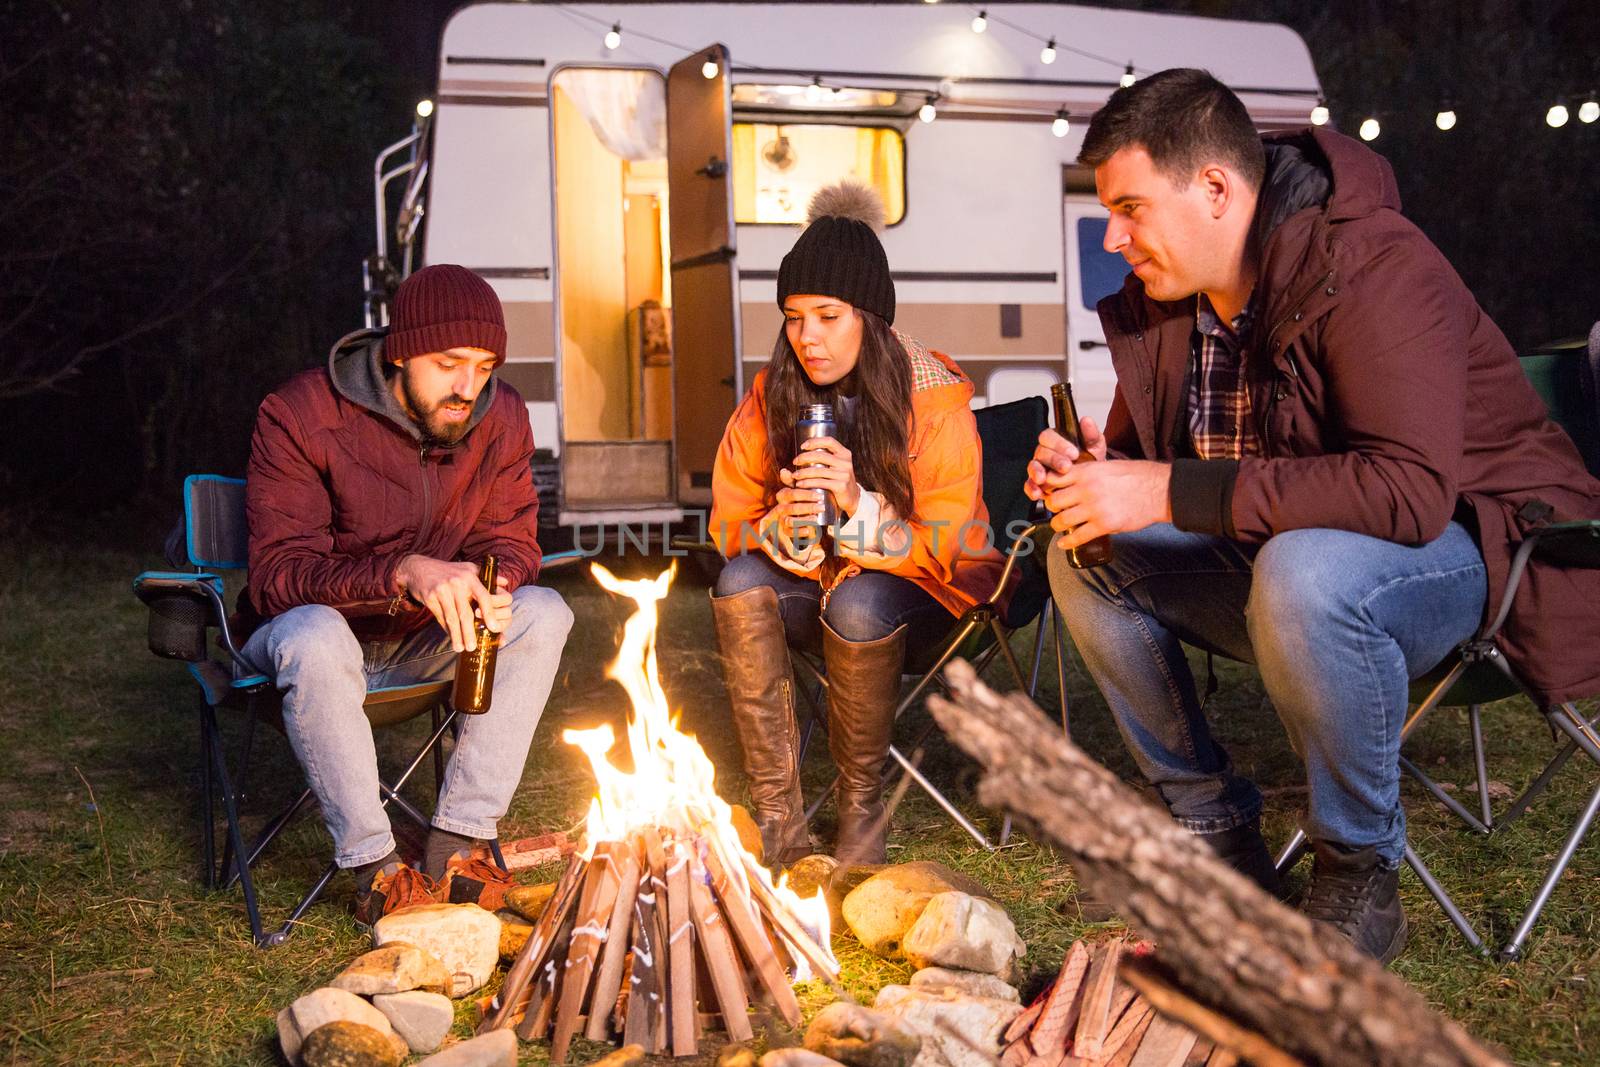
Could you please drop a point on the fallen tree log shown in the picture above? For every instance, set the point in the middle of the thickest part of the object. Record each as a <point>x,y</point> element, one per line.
<point>1229,945</point>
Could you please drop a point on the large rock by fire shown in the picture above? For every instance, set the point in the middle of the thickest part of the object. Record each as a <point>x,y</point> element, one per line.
<point>464,937</point>
<point>859,1037</point>
<point>346,1044</point>
<point>980,1023</point>
<point>394,968</point>
<point>964,931</point>
<point>317,1009</point>
<point>968,982</point>
<point>421,1019</point>
<point>881,910</point>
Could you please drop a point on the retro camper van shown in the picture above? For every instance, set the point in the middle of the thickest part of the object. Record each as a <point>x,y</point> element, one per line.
<point>628,177</point>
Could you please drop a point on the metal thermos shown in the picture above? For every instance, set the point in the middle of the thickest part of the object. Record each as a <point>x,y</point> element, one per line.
<point>1097,552</point>
<point>474,688</point>
<point>816,420</point>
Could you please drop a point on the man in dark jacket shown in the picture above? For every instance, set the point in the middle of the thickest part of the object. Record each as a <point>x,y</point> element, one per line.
<point>375,489</point>
<point>1325,453</point>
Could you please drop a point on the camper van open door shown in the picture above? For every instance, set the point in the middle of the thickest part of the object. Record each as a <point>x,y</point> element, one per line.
<point>707,377</point>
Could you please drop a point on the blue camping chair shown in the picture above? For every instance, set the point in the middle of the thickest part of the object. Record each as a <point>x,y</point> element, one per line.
<point>185,607</point>
<point>1477,674</point>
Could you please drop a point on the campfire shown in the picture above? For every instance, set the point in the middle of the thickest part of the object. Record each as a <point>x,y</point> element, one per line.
<point>662,926</point>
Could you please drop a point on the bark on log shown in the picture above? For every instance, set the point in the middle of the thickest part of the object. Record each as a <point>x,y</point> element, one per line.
<point>1228,943</point>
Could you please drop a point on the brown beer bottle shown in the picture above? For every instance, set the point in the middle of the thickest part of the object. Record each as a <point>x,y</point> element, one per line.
<point>474,687</point>
<point>1097,552</point>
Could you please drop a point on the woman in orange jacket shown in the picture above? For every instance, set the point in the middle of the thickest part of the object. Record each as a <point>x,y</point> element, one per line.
<point>908,550</point>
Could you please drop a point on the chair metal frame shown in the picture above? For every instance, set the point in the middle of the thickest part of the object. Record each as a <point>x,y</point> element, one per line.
<point>234,683</point>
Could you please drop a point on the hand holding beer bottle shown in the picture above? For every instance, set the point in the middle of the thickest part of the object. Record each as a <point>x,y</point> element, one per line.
<point>474,688</point>
<point>1092,553</point>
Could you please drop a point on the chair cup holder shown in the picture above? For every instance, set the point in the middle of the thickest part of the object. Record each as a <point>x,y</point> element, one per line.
<point>177,626</point>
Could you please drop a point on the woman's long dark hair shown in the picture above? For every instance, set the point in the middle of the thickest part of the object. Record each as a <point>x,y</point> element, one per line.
<point>877,432</point>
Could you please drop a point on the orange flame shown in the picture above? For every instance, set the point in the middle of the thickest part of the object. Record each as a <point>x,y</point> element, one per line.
<point>672,787</point>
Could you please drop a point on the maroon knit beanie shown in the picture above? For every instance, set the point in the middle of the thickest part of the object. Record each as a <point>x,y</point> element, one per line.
<point>441,307</point>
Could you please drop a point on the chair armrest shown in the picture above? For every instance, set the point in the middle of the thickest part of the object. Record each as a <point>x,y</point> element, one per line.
<point>182,605</point>
<point>1568,544</point>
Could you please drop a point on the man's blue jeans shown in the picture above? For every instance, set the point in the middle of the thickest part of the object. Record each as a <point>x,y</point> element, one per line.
<point>1338,623</point>
<point>324,674</point>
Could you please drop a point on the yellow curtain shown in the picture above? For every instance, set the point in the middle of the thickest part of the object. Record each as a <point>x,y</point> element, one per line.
<point>880,159</point>
<point>744,172</point>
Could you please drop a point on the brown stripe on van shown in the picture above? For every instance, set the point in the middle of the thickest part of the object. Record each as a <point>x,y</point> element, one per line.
<point>530,329</point>
<point>954,329</point>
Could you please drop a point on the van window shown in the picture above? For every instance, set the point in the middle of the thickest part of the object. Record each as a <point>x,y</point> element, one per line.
<point>1100,273</point>
<point>776,168</point>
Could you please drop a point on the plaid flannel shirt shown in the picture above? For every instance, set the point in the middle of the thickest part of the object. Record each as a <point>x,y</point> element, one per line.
<point>1220,422</point>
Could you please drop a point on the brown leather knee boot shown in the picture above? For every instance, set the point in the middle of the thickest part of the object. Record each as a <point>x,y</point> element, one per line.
<point>755,669</point>
<point>863,688</point>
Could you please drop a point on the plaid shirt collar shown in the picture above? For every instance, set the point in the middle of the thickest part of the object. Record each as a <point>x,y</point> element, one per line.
<point>1220,422</point>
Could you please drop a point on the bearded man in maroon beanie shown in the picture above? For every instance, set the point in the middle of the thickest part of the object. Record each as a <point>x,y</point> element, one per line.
<point>375,488</point>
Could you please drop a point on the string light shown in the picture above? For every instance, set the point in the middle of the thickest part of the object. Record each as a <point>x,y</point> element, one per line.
<point>1047,54</point>
<point>980,22</point>
<point>1556,117</point>
<point>1370,129</point>
<point>1589,110</point>
<point>709,69</point>
<point>1319,114</point>
<point>424,108</point>
<point>1128,75</point>
<point>927,112</point>
<point>614,36</point>
<point>814,91</point>
<point>1446,119</point>
<point>1061,124</point>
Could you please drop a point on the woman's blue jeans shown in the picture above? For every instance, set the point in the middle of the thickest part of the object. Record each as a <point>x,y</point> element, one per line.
<point>1338,624</point>
<point>864,607</point>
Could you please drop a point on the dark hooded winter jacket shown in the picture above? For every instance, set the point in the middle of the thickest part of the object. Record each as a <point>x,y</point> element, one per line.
<point>1386,401</point>
<point>341,487</point>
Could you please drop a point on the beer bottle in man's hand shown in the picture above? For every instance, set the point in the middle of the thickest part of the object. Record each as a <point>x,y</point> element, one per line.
<point>474,687</point>
<point>1091,553</point>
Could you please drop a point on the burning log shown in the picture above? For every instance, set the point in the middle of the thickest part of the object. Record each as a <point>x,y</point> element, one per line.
<point>1262,966</point>
<point>662,925</point>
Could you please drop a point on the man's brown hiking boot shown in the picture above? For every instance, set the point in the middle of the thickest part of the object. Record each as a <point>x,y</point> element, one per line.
<point>393,886</point>
<point>471,879</point>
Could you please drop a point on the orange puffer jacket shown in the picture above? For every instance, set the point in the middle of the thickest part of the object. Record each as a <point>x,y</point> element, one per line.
<point>947,548</point>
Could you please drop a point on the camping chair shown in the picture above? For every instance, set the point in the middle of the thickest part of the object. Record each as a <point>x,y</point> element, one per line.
<point>184,606</point>
<point>1477,674</point>
<point>1009,433</point>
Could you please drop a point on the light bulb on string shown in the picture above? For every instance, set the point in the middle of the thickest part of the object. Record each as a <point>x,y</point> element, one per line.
<point>1047,54</point>
<point>927,112</point>
<point>1446,119</point>
<point>424,108</point>
<point>1370,129</point>
<point>614,36</point>
<point>1061,124</point>
<point>709,69</point>
<point>1319,114</point>
<point>814,91</point>
<point>1128,76</point>
<point>1589,110</point>
<point>980,22</point>
<point>1557,116</point>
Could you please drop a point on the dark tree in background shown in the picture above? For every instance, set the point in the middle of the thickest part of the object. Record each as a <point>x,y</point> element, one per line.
<point>1513,204</point>
<point>185,198</point>
<point>183,210</point>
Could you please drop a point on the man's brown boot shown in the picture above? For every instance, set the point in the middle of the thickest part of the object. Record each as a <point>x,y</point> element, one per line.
<point>755,670</point>
<point>863,688</point>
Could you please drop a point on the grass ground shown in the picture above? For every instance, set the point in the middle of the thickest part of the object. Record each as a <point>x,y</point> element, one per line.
<point>110,952</point>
